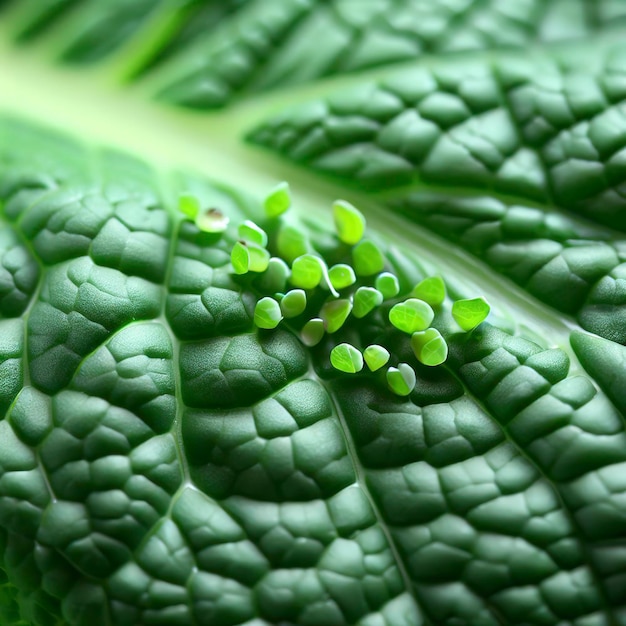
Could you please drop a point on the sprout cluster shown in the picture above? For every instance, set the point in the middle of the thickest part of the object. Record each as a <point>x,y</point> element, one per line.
<point>293,278</point>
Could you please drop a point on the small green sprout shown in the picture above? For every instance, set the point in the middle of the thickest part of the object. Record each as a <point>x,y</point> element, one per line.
<point>411,315</point>
<point>249,231</point>
<point>346,358</point>
<point>267,313</point>
<point>278,200</point>
<point>349,222</point>
<point>376,356</point>
<point>240,258</point>
<point>470,313</point>
<point>293,303</point>
<point>246,257</point>
<point>335,313</point>
<point>189,205</point>
<point>275,277</point>
<point>401,379</point>
<point>307,271</point>
<point>387,284</point>
<point>341,276</point>
<point>212,221</point>
<point>291,243</point>
<point>429,347</point>
<point>259,258</point>
<point>367,259</point>
<point>312,332</point>
<point>366,299</point>
<point>431,290</point>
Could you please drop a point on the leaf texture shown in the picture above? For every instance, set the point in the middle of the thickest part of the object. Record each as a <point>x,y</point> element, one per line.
<point>164,462</point>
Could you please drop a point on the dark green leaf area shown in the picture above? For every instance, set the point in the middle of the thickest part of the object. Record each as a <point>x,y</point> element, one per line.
<point>106,28</point>
<point>606,362</point>
<point>88,431</point>
<point>561,260</point>
<point>241,370</point>
<point>204,300</point>
<point>283,470</point>
<point>286,447</point>
<point>477,526</point>
<point>19,274</point>
<point>571,433</point>
<point>517,128</point>
<point>87,481</point>
<point>280,48</point>
<point>118,221</point>
<point>9,605</point>
<point>198,555</point>
<point>134,369</point>
<point>11,355</point>
<point>79,306</point>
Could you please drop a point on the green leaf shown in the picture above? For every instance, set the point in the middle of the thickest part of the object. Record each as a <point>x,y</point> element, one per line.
<point>431,290</point>
<point>252,233</point>
<point>312,332</point>
<point>346,358</point>
<point>291,243</point>
<point>388,285</point>
<point>274,279</point>
<point>401,379</point>
<point>335,313</point>
<point>470,313</point>
<point>188,205</point>
<point>211,221</point>
<point>411,315</point>
<point>341,276</point>
<point>267,313</point>
<point>278,200</point>
<point>366,299</point>
<point>349,222</point>
<point>293,303</point>
<point>429,347</point>
<point>376,356</point>
<point>367,259</point>
<point>240,258</point>
<point>307,271</point>
<point>164,461</point>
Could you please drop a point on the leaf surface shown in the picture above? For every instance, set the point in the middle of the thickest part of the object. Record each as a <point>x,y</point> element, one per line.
<point>164,461</point>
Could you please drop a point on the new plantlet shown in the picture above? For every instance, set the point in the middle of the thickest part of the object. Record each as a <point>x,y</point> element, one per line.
<point>335,313</point>
<point>346,358</point>
<point>470,313</point>
<point>312,332</point>
<point>376,356</point>
<point>307,271</point>
<point>250,232</point>
<point>431,290</point>
<point>246,257</point>
<point>293,303</point>
<point>212,221</point>
<point>367,259</point>
<point>278,200</point>
<point>291,243</point>
<point>387,284</point>
<point>267,313</point>
<point>349,222</point>
<point>429,347</point>
<point>366,299</point>
<point>189,205</point>
<point>401,379</point>
<point>411,315</point>
<point>341,276</point>
<point>275,277</point>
